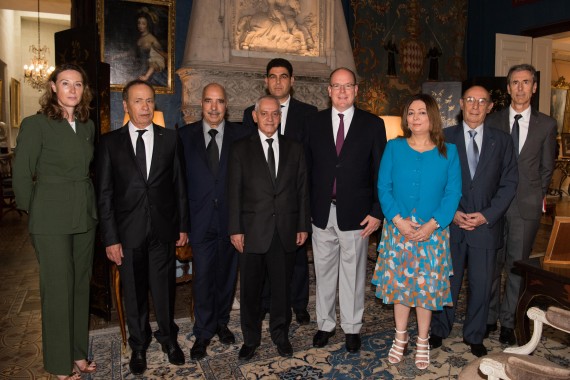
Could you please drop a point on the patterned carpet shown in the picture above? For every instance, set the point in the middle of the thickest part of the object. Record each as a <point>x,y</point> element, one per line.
<point>333,362</point>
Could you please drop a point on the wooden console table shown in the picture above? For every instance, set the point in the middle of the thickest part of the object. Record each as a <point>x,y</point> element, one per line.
<point>543,282</point>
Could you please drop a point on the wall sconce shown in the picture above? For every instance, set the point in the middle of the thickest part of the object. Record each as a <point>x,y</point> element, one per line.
<point>157,119</point>
<point>393,126</point>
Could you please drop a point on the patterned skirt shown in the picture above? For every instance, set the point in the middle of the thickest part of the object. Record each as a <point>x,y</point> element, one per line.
<point>413,273</point>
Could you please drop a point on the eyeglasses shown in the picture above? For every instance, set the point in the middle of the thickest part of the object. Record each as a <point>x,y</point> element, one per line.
<point>471,101</point>
<point>338,86</point>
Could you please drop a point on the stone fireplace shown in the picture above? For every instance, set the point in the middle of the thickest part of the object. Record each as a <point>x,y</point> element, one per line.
<point>231,41</point>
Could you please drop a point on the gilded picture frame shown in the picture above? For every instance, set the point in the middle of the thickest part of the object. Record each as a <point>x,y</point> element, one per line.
<point>15,106</point>
<point>137,40</point>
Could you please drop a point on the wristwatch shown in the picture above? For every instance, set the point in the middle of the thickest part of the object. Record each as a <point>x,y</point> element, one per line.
<point>436,223</point>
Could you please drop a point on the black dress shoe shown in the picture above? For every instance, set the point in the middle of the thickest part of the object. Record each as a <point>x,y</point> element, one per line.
<point>353,343</point>
<point>247,352</point>
<point>225,335</point>
<point>137,364</point>
<point>477,349</point>
<point>175,354</point>
<point>285,349</point>
<point>435,341</point>
<point>321,338</point>
<point>490,328</point>
<point>507,336</point>
<point>303,317</point>
<point>198,350</point>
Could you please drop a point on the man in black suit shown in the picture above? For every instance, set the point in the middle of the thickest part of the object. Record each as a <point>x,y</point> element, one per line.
<point>534,137</point>
<point>489,181</point>
<point>279,81</point>
<point>214,263</point>
<point>143,214</point>
<point>344,147</point>
<point>268,219</point>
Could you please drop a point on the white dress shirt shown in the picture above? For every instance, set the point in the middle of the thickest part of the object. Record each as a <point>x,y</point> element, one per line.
<point>348,114</point>
<point>478,137</point>
<point>284,111</point>
<point>148,139</point>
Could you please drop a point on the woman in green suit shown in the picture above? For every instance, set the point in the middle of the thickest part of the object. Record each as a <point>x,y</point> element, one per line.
<point>51,181</point>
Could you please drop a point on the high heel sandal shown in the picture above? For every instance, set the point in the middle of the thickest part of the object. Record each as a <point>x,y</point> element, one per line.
<point>90,367</point>
<point>422,353</point>
<point>398,349</point>
<point>72,376</point>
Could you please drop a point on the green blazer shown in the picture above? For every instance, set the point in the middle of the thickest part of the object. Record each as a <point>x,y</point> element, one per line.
<point>51,175</point>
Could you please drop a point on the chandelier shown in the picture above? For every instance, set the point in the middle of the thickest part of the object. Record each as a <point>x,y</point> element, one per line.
<point>38,71</point>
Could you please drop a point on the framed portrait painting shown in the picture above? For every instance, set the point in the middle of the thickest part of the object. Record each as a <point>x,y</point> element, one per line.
<point>137,41</point>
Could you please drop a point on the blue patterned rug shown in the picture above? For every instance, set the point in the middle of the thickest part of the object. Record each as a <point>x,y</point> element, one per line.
<point>333,362</point>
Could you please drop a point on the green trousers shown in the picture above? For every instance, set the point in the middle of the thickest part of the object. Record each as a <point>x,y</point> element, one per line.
<point>65,263</point>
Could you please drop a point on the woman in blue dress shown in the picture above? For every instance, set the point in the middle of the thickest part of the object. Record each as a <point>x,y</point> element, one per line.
<point>419,186</point>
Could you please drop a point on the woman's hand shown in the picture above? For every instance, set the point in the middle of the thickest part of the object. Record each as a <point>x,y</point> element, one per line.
<point>406,227</point>
<point>424,232</point>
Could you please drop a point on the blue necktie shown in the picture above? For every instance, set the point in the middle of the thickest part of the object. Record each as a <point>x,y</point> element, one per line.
<point>472,153</point>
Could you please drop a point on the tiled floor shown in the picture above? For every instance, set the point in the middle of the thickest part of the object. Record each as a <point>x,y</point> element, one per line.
<point>20,323</point>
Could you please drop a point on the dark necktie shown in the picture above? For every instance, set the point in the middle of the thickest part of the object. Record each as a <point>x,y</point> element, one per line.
<point>141,152</point>
<point>339,144</point>
<point>271,160</point>
<point>213,153</point>
<point>515,133</point>
<point>472,153</point>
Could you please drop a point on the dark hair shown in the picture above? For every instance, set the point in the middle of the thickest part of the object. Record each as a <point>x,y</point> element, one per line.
<point>522,67</point>
<point>279,62</point>
<point>345,69</point>
<point>49,103</point>
<point>134,83</point>
<point>149,22</point>
<point>435,124</point>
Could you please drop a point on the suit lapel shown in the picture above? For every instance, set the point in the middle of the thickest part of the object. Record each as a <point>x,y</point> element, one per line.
<point>259,156</point>
<point>156,150</point>
<point>197,138</point>
<point>283,156</point>
<point>532,133</point>
<point>459,141</point>
<point>226,142</point>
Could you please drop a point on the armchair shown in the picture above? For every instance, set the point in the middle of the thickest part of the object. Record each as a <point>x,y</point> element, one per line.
<point>515,362</point>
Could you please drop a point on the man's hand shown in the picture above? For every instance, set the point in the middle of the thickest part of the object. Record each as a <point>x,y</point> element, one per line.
<point>115,253</point>
<point>372,224</point>
<point>475,219</point>
<point>238,241</point>
<point>301,237</point>
<point>461,220</point>
<point>182,240</point>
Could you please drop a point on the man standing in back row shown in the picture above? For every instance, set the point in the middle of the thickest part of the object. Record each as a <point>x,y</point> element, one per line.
<point>279,81</point>
<point>344,148</point>
<point>534,138</point>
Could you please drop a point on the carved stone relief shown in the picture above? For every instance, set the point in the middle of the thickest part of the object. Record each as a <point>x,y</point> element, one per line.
<point>282,26</point>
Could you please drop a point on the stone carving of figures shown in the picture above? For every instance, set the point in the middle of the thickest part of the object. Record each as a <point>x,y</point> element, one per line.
<point>275,30</point>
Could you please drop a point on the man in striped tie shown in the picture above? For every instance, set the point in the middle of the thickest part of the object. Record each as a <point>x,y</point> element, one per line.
<point>489,181</point>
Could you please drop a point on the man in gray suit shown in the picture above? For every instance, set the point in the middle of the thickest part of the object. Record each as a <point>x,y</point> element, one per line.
<point>489,181</point>
<point>534,138</point>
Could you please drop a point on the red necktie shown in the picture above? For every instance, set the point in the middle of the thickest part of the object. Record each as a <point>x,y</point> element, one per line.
<point>339,143</point>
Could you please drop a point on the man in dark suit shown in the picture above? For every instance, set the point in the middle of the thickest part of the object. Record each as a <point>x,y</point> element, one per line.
<point>344,147</point>
<point>143,213</point>
<point>279,81</point>
<point>489,181</point>
<point>534,138</point>
<point>206,146</point>
<point>268,219</point>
